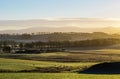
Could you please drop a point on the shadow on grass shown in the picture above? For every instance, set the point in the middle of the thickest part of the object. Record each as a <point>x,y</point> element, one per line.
<point>58,69</point>
<point>103,68</point>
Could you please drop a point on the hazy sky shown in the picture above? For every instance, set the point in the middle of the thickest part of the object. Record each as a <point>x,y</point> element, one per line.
<point>59,13</point>
<point>38,9</point>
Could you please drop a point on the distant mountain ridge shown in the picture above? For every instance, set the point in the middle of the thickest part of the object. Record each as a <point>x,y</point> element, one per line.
<point>110,30</point>
<point>60,25</point>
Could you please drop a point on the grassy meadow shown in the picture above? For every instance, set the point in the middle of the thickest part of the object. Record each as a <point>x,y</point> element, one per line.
<point>31,66</point>
<point>20,65</point>
<point>100,55</point>
<point>55,76</point>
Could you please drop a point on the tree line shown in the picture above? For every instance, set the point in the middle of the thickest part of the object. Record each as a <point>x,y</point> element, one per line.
<point>8,46</point>
<point>83,43</point>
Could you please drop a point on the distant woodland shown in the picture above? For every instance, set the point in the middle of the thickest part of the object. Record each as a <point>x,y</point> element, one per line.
<point>48,41</point>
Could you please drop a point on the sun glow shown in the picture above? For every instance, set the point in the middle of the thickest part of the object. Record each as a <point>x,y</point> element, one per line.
<point>114,19</point>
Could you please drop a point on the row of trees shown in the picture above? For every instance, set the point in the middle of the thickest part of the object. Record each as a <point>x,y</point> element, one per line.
<point>55,35</point>
<point>8,46</point>
<point>63,44</point>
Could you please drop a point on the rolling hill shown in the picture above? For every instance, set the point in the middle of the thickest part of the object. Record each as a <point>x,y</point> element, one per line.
<point>60,25</point>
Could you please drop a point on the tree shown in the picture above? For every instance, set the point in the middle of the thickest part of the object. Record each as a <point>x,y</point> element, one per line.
<point>21,45</point>
<point>7,49</point>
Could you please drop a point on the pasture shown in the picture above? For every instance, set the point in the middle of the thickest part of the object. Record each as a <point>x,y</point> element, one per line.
<point>58,65</point>
<point>101,55</point>
<point>55,76</point>
<point>16,65</point>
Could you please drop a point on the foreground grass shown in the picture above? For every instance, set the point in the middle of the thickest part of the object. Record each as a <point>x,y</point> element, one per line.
<point>55,76</point>
<point>18,65</point>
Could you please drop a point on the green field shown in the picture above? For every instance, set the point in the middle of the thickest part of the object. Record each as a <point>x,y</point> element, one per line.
<point>55,76</point>
<point>14,66</point>
<point>100,55</point>
<point>18,65</point>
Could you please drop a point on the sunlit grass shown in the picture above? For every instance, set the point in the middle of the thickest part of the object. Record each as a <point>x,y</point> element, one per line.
<point>55,76</point>
<point>16,64</point>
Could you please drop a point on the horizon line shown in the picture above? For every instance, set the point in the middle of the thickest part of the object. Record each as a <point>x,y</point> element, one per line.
<point>62,18</point>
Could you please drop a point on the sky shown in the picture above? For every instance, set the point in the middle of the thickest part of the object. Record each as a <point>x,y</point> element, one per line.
<point>22,14</point>
<point>48,9</point>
